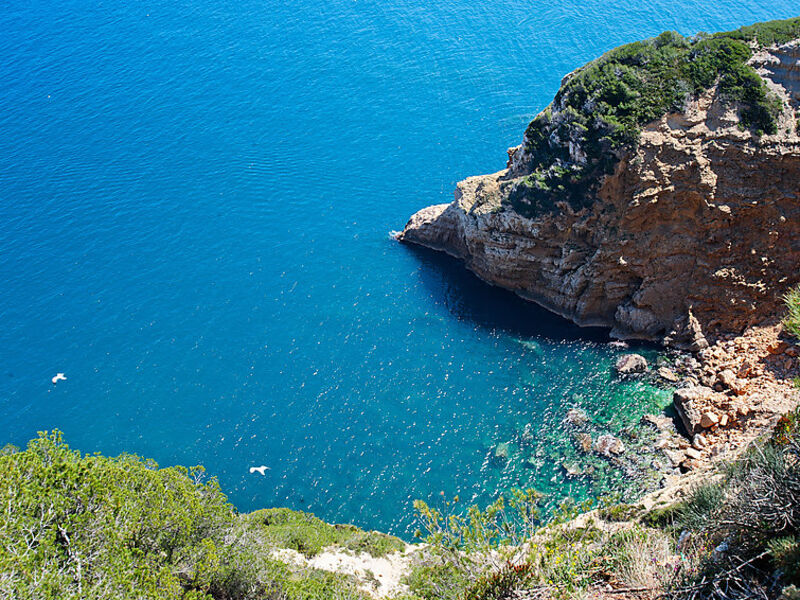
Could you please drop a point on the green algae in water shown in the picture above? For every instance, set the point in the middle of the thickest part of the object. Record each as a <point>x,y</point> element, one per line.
<point>560,459</point>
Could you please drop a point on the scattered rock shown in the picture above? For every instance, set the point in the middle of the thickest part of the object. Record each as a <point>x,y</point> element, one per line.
<point>607,445</point>
<point>572,470</point>
<point>676,457</point>
<point>668,374</point>
<point>723,420</point>
<point>576,416</point>
<point>629,364</point>
<point>699,441</point>
<point>777,347</point>
<point>688,404</point>
<point>502,451</point>
<point>726,380</point>
<point>660,422</point>
<point>584,441</point>
<point>745,370</point>
<point>693,453</point>
<point>691,464</point>
<point>662,442</point>
<point>708,419</point>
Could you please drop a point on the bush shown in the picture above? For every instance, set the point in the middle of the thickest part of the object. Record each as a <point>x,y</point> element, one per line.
<point>603,105</point>
<point>308,535</point>
<point>91,527</point>
<point>792,320</point>
<point>751,518</point>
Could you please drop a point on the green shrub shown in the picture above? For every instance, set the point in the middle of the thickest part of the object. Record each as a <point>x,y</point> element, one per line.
<point>665,516</point>
<point>603,105</point>
<point>786,554</point>
<point>751,516</point>
<point>617,513</point>
<point>308,535</point>
<point>91,527</point>
<point>434,580</point>
<point>792,320</point>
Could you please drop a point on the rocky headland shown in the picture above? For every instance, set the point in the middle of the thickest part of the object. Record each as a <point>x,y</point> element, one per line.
<point>668,215</point>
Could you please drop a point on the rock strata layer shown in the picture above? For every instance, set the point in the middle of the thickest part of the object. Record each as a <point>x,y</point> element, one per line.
<point>695,233</point>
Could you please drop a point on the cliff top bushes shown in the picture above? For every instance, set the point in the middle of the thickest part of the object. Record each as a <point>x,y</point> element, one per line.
<point>92,527</point>
<point>309,535</point>
<point>602,106</point>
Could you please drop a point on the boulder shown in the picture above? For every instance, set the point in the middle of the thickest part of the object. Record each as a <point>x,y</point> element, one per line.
<point>576,416</point>
<point>708,419</point>
<point>694,454</point>
<point>726,380</point>
<point>608,445</point>
<point>699,441</point>
<point>660,422</point>
<point>676,457</point>
<point>629,364</point>
<point>689,404</point>
<point>668,374</point>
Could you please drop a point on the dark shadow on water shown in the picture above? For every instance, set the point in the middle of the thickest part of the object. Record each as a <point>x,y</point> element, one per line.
<point>470,299</point>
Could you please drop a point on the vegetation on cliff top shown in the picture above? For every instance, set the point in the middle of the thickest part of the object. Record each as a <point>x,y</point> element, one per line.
<point>602,106</point>
<point>94,527</point>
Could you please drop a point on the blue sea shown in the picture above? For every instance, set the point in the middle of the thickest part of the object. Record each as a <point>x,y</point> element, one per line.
<point>196,199</point>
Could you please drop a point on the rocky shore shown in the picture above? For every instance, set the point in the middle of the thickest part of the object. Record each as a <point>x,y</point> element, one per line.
<point>691,240</point>
<point>693,236</point>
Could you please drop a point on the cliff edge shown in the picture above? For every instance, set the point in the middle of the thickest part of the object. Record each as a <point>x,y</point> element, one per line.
<point>658,194</point>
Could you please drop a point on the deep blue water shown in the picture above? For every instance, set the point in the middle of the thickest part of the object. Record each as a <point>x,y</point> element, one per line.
<point>195,202</point>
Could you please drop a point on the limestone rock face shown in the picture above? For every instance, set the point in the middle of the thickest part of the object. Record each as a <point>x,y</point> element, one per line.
<point>695,233</point>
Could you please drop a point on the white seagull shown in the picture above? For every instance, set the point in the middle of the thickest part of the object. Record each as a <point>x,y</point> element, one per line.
<point>260,469</point>
<point>58,377</point>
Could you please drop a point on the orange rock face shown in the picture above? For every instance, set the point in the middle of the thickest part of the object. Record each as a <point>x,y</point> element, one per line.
<point>695,234</point>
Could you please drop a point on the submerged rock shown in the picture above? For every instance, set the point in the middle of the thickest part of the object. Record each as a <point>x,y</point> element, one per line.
<point>527,434</point>
<point>608,445</point>
<point>668,374</point>
<point>584,441</point>
<point>502,451</point>
<point>629,364</point>
<point>576,416</point>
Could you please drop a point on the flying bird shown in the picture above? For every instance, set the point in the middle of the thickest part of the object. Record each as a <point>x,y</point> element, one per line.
<point>58,377</point>
<point>260,469</point>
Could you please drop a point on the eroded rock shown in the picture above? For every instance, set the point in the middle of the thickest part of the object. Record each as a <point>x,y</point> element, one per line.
<point>629,364</point>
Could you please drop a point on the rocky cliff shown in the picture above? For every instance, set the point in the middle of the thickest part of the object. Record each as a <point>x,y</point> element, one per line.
<point>679,228</point>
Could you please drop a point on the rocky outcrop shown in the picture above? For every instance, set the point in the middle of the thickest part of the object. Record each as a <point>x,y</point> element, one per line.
<point>628,364</point>
<point>695,233</point>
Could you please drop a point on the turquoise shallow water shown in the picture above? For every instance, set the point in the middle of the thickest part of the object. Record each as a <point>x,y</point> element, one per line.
<point>195,201</point>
